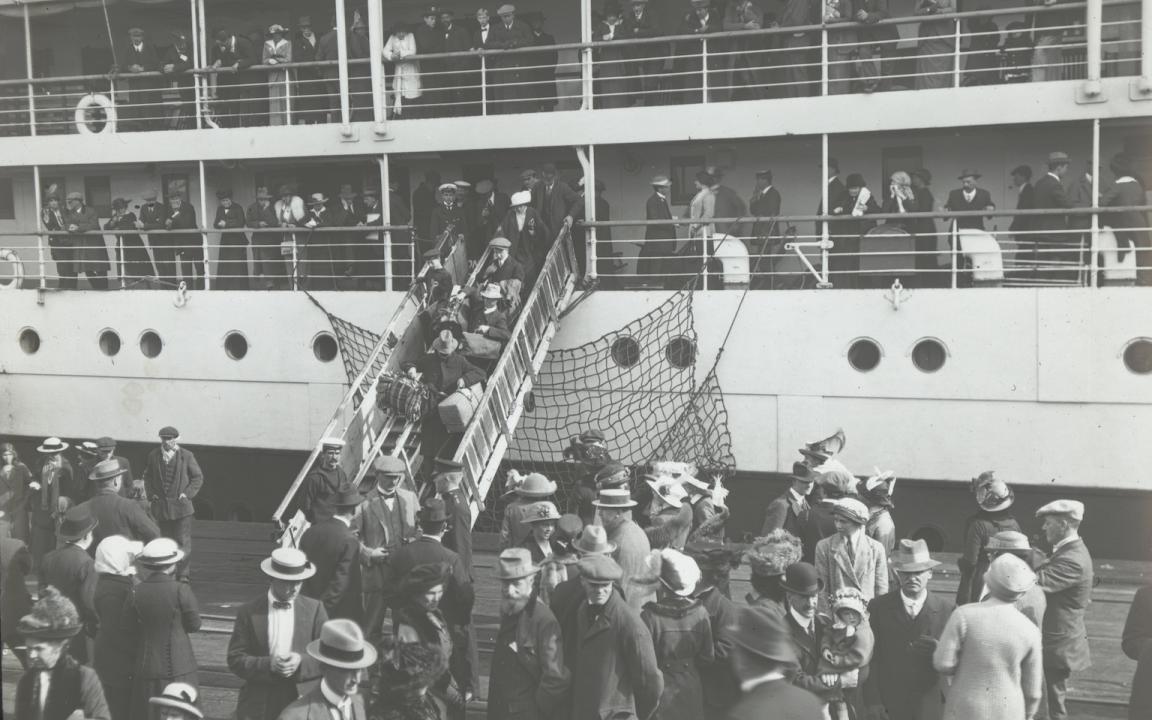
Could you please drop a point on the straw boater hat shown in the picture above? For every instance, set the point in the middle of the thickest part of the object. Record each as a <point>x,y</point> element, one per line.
<point>52,445</point>
<point>593,540</point>
<point>288,564</point>
<point>541,512</point>
<point>514,564</point>
<point>774,553</point>
<point>678,572</point>
<point>912,556</point>
<point>161,552</point>
<point>341,644</point>
<point>661,181</point>
<point>53,617</point>
<point>614,498</point>
<point>179,696</point>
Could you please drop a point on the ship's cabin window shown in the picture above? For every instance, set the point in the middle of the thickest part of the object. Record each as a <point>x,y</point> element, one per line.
<point>1138,356</point>
<point>29,341</point>
<point>151,344</point>
<point>324,347</point>
<point>109,343</point>
<point>864,354</point>
<point>235,345</point>
<point>681,352</point>
<point>625,351</point>
<point>929,354</point>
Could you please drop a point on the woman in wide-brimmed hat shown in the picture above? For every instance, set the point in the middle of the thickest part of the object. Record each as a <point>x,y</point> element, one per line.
<point>669,513</point>
<point>995,499</point>
<point>529,490</point>
<point>542,519</point>
<point>876,492</point>
<point>115,580</point>
<point>277,51</point>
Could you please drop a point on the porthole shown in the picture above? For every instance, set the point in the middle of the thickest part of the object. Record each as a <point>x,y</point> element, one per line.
<point>864,354</point>
<point>625,351</point>
<point>151,344</point>
<point>235,345</point>
<point>1138,356</point>
<point>324,347</point>
<point>929,355</point>
<point>681,352</point>
<point>29,341</point>
<point>109,343</point>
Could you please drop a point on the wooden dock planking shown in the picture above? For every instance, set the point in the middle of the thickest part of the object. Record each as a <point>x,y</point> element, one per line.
<point>225,572</point>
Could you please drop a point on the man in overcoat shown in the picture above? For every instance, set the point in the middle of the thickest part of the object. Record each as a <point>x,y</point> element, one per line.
<point>554,200</point>
<point>1066,578</point>
<point>70,570</point>
<point>792,512</point>
<point>268,647</point>
<point>647,61</point>
<point>173,478</point>
<point>615,507</point>
<point>802,586</point>
<point>385,522</point>
<point>140,56</point>
<point>343,655</point>
<point>762,658</point>
<point>184,245</point>
<point>528,678</point>
<point>333,548</point>
<point>91,252</point>
<point>1050,231</point>
<point>115,514</point>
<point>615,673</point>
<point>507,34</point>
<point>659,246</point>
<point>906,623</point>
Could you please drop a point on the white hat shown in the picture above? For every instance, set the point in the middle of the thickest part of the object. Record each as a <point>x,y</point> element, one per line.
<point>678,572</point>
<point>1071,508</point>
<point>523,197</point>
<point>160,552</point>
<point>178,696</point>
<point>288,564</point>
<point>1008,577</point>
<point>669,491</point>
<point>332,442</point>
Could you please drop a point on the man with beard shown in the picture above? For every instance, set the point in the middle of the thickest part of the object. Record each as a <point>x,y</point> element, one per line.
<point>322,481</point>
<point>632,543</point>
<point>528,671</point>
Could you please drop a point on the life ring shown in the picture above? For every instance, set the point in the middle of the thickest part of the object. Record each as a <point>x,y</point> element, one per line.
<point>17,278</point>
<point>103,102</point>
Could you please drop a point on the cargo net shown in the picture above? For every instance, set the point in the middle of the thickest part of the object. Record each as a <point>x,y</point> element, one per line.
<point>638,386</point>
<point>356,345</point>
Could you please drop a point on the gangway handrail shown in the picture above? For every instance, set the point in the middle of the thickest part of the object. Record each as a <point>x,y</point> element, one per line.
<point>488,433</point>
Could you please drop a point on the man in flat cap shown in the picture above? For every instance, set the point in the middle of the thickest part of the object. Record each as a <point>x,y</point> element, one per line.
<point>508,33</point>
<point>614,669</point>
<point>1066,578</point>
<point>324,480</point>
<point>385,522</point>
<point>172,479</point>
<point>504,270</point>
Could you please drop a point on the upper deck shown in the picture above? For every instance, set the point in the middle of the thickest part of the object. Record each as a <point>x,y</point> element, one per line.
<point>1066,62</point>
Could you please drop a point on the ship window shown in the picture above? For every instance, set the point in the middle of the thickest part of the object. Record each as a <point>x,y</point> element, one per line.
<point>864,354</point>
<point>929,355</point>
<point>625,351</point>
<point>681,352</point>
<point>324,347</point>
<point>151,344</point>
<point>1138,356</point>
<point>109,343</point>
<point>235,345</point>
<point>29,341</point>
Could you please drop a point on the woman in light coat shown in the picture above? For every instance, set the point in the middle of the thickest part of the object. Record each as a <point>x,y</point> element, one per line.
<point>277,51</point>
<point>850,558</point>
<point>406,75</point>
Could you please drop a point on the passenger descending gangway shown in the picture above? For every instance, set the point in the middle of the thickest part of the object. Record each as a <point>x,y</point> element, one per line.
<point>368,430</point>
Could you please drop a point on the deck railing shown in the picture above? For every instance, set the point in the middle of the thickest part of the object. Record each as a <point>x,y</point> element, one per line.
<point>822,58</point>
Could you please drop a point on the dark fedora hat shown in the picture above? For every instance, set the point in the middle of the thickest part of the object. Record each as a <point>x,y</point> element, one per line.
<point>801,578</point>
<point>761,632</point>
<point>433,511</point>
<point>77,523</point>
<point>347,496</point>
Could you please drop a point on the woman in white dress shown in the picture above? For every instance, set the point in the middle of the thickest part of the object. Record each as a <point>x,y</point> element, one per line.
<point>277,51</point>
<point>406,76</point>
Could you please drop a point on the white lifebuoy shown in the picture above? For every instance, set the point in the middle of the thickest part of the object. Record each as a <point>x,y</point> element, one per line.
<point>101,101</point>
<point>17,278</point>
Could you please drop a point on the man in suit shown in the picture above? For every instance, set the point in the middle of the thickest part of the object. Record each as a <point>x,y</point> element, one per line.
<point>309,108</point>
<point>91,252</point>
<point>267,260</point>
<point>505,76</point>
<point>659,249</point>
<point>448,476</point>
<point>765,203</point>
<point>554,200</point>
<point>446,220</point>
<point>115,514</point>
<point>268,648</point>
<point>792,512</point>
<point>333,548</point>
<point>906,623</point>
<point>343,655</point>
<point>328,50</point>
<point>702,19</point>
<point>1051,237</point>
<point>385,522</point>
<point>185,247</point>
<point>648,59</point>
<point>969,197</point>
<point>139,57</point>
<point>504,270</point>
<point>15,602</point>
<point>69,569</point>
<point>1022,181</point>
<point>454,38</point>
<point>233,53</point>
<point>762,659</point>
<point>106,450</point>
<point>172,478</point>
<point>802,588</point>
<point>63,250</point>
<point>429,40</point>
<point>491,206</point>
<point>176,62</point>
<point>1066,578</point>
<point>152,217</point>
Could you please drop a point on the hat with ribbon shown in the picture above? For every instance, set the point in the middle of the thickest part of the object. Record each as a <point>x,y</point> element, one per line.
<point>614,498</point>
<point>599,568</point>
<point>912,556</point>
<point>670,492</point>
<point>849,598</point>
<point>317,199</point>
<point>877,489</point>
<point>1008,577</point>
<point>536,485</point>
<point>288,564</point>
<point>341,644</point>
<point>87,448</point>
<point>77,523</point>
<point>661,181</point>
<point>514,564</point>
<point>762,632</point>
<point>178,696</point>
<point>801,578</point>
<point>540,512</point>
<point>850,509</point>
<point>106,470</point>
<point>161,552</point>
<point>522,197</point>
<point>993,494</point>
<point>52,445</point>
<point>276,28</point>
<point>53,617</point>
<point>593,540</point>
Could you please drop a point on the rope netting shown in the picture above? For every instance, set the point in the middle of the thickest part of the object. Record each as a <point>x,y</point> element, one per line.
<point>356,344</point>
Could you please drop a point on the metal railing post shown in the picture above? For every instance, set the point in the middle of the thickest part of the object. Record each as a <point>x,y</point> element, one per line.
<point>483,84</point>
<point>376,68</point>
<point>955,250</point>
<point>586,79</point>
<point>115,104</point>
<point>1142,86</point>
<point>956,56</point>
<point>386,219</point>
<point>200,59</point>
<point>824,198</point>
<point>588,161</point>
<point>1094,228</point>
<point>288,96</point>
<point>204,246</point>
<point>28,67</point>
<point>342,64</point>
<point>38,192</point>
<point>824,70</point>
<point>704,69</point>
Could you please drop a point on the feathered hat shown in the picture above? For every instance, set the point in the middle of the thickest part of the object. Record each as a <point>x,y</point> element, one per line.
<point>53,617</point>
<point>772,554</point>
<point>821,450</point>
<point>878,488</point>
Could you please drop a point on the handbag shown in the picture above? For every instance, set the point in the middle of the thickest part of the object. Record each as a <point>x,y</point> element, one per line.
<point>408,398</point>
<point>457,409</point>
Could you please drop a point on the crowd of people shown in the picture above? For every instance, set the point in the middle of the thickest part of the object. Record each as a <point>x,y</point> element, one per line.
<point>647,73</point>
<point>615,598</point>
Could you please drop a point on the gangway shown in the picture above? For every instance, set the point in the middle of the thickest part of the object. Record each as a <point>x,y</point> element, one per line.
<point>368,430</point>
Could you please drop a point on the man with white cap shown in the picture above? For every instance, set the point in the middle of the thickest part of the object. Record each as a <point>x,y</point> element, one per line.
<point>343,655</point>
<point>324,480</point>
<point>268,648</point>
<point>615,509</point>
<point>1066,578</point>
<point>177,702</point>
<point>508,33</point>
<point>385,522</point>
<point>850,558</point>
<point>447,220</point>
<point>528,671</point>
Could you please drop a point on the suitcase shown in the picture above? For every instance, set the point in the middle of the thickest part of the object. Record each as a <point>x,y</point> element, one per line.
<point>408,398</point>
<point>457,409</point>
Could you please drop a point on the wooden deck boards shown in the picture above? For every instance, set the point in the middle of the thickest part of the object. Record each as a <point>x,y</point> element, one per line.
<point>225,573</point>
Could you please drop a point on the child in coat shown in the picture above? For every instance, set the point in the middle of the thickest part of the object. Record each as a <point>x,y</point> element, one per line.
<point>845,648</point>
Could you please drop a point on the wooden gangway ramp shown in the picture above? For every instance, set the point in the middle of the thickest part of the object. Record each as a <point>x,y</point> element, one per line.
<point>225,573</point>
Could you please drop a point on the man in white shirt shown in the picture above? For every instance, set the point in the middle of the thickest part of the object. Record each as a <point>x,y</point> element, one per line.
<point>274,661</point>
<point>343,655</point>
